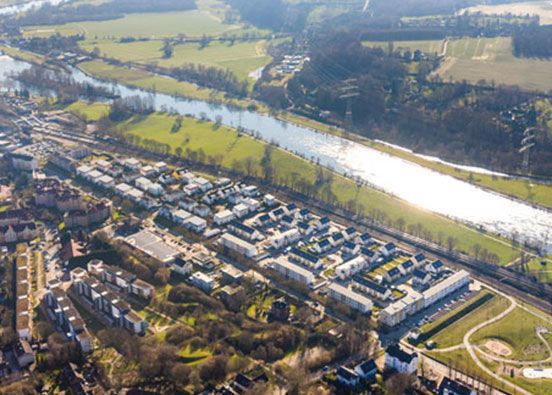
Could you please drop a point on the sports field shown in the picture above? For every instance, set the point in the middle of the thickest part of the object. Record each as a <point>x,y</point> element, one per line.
<point>241,58</point>
<point>234,151</point>
<point>489,59</point>
<point>541,8</point>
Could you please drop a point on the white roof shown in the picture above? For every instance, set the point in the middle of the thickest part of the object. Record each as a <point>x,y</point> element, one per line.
<point>446,283</point>
<point>181,214</point>
<point>224,214</point>
<point>132,162</point>
<point>105,179</point>
<point>196,221</point>
<point>103,163</point>
<point>122,187</point>
<point>135,193</point>
<point>202,277</point>
<point>84,169</point>
<point>95,174</point>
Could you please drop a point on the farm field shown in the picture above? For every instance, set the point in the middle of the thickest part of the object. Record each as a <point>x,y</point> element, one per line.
<point>147,25</point>
<point>489,59</point>
<point>242,152</point>
<point>241,58</point>
<point>541,8</point>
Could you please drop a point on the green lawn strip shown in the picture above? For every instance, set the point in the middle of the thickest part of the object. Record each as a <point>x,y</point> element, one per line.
<point>453,316</point>
<point>148,81</point>
<point>454,333</point>
<point>22,55</point>
<point>517,330</point>
<point>232,149</point>
<point>91,112</point>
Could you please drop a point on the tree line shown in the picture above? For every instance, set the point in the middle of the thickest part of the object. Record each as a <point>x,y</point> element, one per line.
<point>533,42</point>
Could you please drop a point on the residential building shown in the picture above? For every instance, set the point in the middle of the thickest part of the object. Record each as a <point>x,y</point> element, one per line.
<point>293,271</point>
<point>238,245</point>
<point>23,162</point>
<point>285,239</point>
<point>400,361</point>
<point>392,275</point>
<point>202,281</point>
<point>351,267</point>
<point>350,298</point>
<point>371,288</point>
<point>223,217</point>
<point>367,370</point>
<point>67,319</point>
<point>446,287</point>
<point>453,387</point>
<point>305,258</point>
<point>243,231</point>
<point>347,376</point>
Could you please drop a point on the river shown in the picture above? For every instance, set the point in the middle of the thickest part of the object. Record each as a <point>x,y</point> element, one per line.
<point>411,182</point>
<point>17,8</point>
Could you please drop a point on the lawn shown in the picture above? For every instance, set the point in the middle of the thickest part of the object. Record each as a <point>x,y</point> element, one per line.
<point>151,82</point>
<point>91,112</point>
<point>194,23</point>
<point>457,312</point>
<point>241,58</point>
<point>232,150</point>
<point>454,334</point>
<point>517,330</point>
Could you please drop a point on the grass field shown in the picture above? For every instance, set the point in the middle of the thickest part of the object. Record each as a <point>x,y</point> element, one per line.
<point>193,23</point>
<point>454,333</point>
<point>241,58</point>
<point>148,81</point>
<point>22,55</point>
<point>542,272</point>
<point>517,330</point>
<point>233,149</point>
<point>427,46</point>
<point>489,59</point>
<point>541,8</point>
<point>91,112</point>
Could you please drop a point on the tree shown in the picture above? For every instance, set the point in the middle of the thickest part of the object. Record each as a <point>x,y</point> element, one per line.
<point>180,374</point>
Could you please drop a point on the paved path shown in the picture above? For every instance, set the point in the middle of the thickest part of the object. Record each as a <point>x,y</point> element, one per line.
<point>471,349</point>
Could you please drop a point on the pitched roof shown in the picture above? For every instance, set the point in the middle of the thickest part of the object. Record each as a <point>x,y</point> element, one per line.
<point>370,284</point>
<point>347,373</point>
<point>451,387</point>
<point>367,366</point>
<point>396,352</point>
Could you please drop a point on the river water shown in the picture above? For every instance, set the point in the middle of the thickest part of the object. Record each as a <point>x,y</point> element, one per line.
<point>420,186</point>
<point>17,8</point>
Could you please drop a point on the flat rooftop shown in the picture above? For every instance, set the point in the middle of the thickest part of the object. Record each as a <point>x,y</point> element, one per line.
<point>152,245</point>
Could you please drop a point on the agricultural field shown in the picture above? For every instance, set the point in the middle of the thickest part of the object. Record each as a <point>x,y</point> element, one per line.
<point>241,58</point>
<point>193,23</point>
<point>541,8</point>
<point>242,152</point>
<point>489,59</point>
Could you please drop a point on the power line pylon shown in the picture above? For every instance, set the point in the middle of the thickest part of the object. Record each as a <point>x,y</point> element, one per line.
<point>349,91</point>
